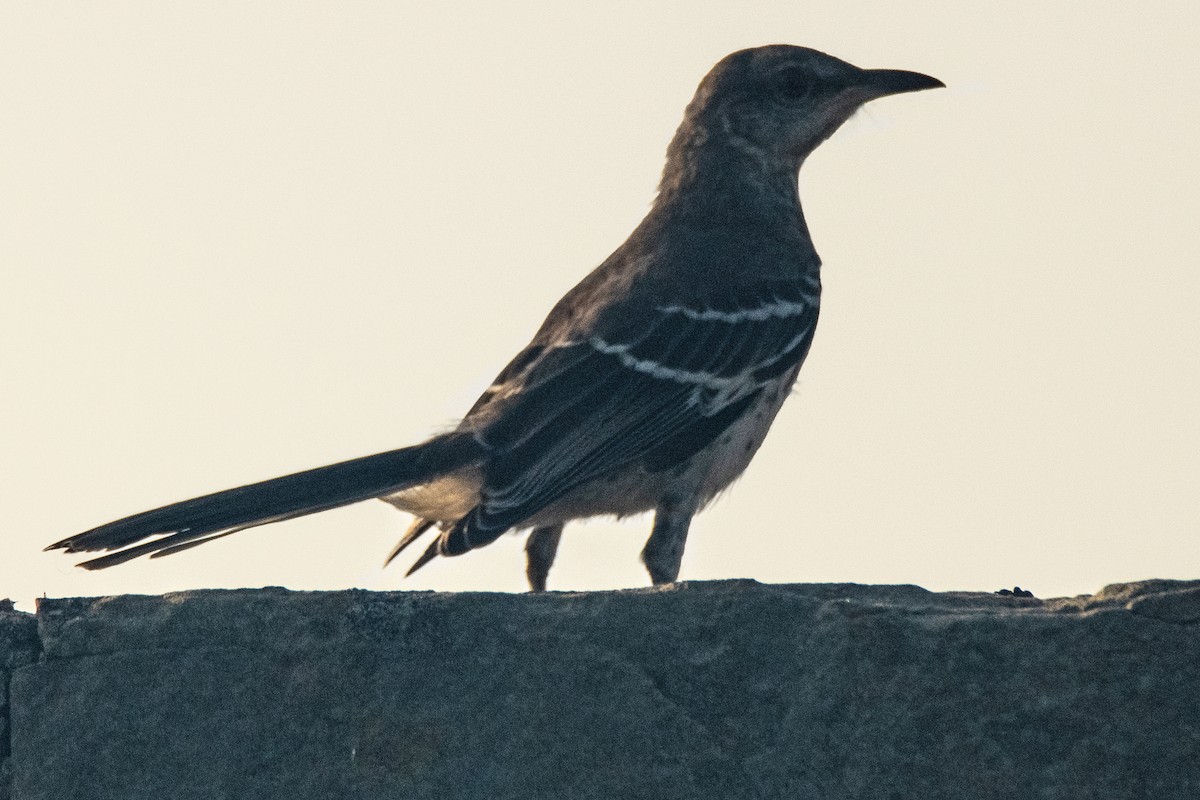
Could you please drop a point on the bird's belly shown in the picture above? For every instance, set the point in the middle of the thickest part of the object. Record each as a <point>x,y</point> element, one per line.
<point>723,461</point>
<point>621,494</point>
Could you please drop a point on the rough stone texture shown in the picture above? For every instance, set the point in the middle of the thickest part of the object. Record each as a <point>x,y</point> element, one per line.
<point>18,647</point>
<point>706,690</point>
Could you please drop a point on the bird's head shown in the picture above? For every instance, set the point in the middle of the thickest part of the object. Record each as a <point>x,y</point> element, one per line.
<point>779,102</point>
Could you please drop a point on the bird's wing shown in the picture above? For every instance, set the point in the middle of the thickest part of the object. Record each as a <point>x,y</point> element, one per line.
<point>655,391</point>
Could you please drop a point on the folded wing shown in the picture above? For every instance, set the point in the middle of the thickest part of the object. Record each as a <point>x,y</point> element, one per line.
<point>656,393</point>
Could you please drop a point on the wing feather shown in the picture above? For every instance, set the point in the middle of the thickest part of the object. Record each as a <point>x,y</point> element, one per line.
<point>657,393</point>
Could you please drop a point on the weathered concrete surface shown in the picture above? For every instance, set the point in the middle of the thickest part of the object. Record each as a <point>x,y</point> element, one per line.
<point>708,690</point>
<point>18,647</point>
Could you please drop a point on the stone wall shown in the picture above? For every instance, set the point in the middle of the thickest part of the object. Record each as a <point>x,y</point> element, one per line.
<point>703,690</point>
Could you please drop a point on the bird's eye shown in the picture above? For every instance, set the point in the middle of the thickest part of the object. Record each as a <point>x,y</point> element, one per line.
<point>793,85</point>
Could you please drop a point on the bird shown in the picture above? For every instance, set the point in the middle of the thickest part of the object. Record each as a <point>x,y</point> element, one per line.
<point>650,385</point>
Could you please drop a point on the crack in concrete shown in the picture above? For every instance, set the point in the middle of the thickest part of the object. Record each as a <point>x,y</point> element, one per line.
<point>685,712</point>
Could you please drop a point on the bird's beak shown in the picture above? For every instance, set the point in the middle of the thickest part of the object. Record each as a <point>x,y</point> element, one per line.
<point>882,82</point>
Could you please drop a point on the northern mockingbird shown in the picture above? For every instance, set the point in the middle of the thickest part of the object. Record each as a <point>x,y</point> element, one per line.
<point>650,385</point>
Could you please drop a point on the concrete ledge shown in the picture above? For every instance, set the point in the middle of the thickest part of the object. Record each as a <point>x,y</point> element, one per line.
<point>18,648</point>
<point>704,690</point>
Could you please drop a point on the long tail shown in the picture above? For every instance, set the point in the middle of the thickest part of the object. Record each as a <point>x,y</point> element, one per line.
<point>180,526</point>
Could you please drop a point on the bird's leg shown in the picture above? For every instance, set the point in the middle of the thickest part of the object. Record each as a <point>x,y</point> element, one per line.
<point>663,552</point>
<point>540,548</point>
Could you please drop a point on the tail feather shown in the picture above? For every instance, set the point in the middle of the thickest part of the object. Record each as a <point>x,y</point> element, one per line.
<point>180,526</point>
<point>418,527</point>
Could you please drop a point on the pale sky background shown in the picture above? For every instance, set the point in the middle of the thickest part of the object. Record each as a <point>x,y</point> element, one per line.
<point>243,239</point>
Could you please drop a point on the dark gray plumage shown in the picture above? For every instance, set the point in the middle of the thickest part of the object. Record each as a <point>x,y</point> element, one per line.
<point>649,386</point>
